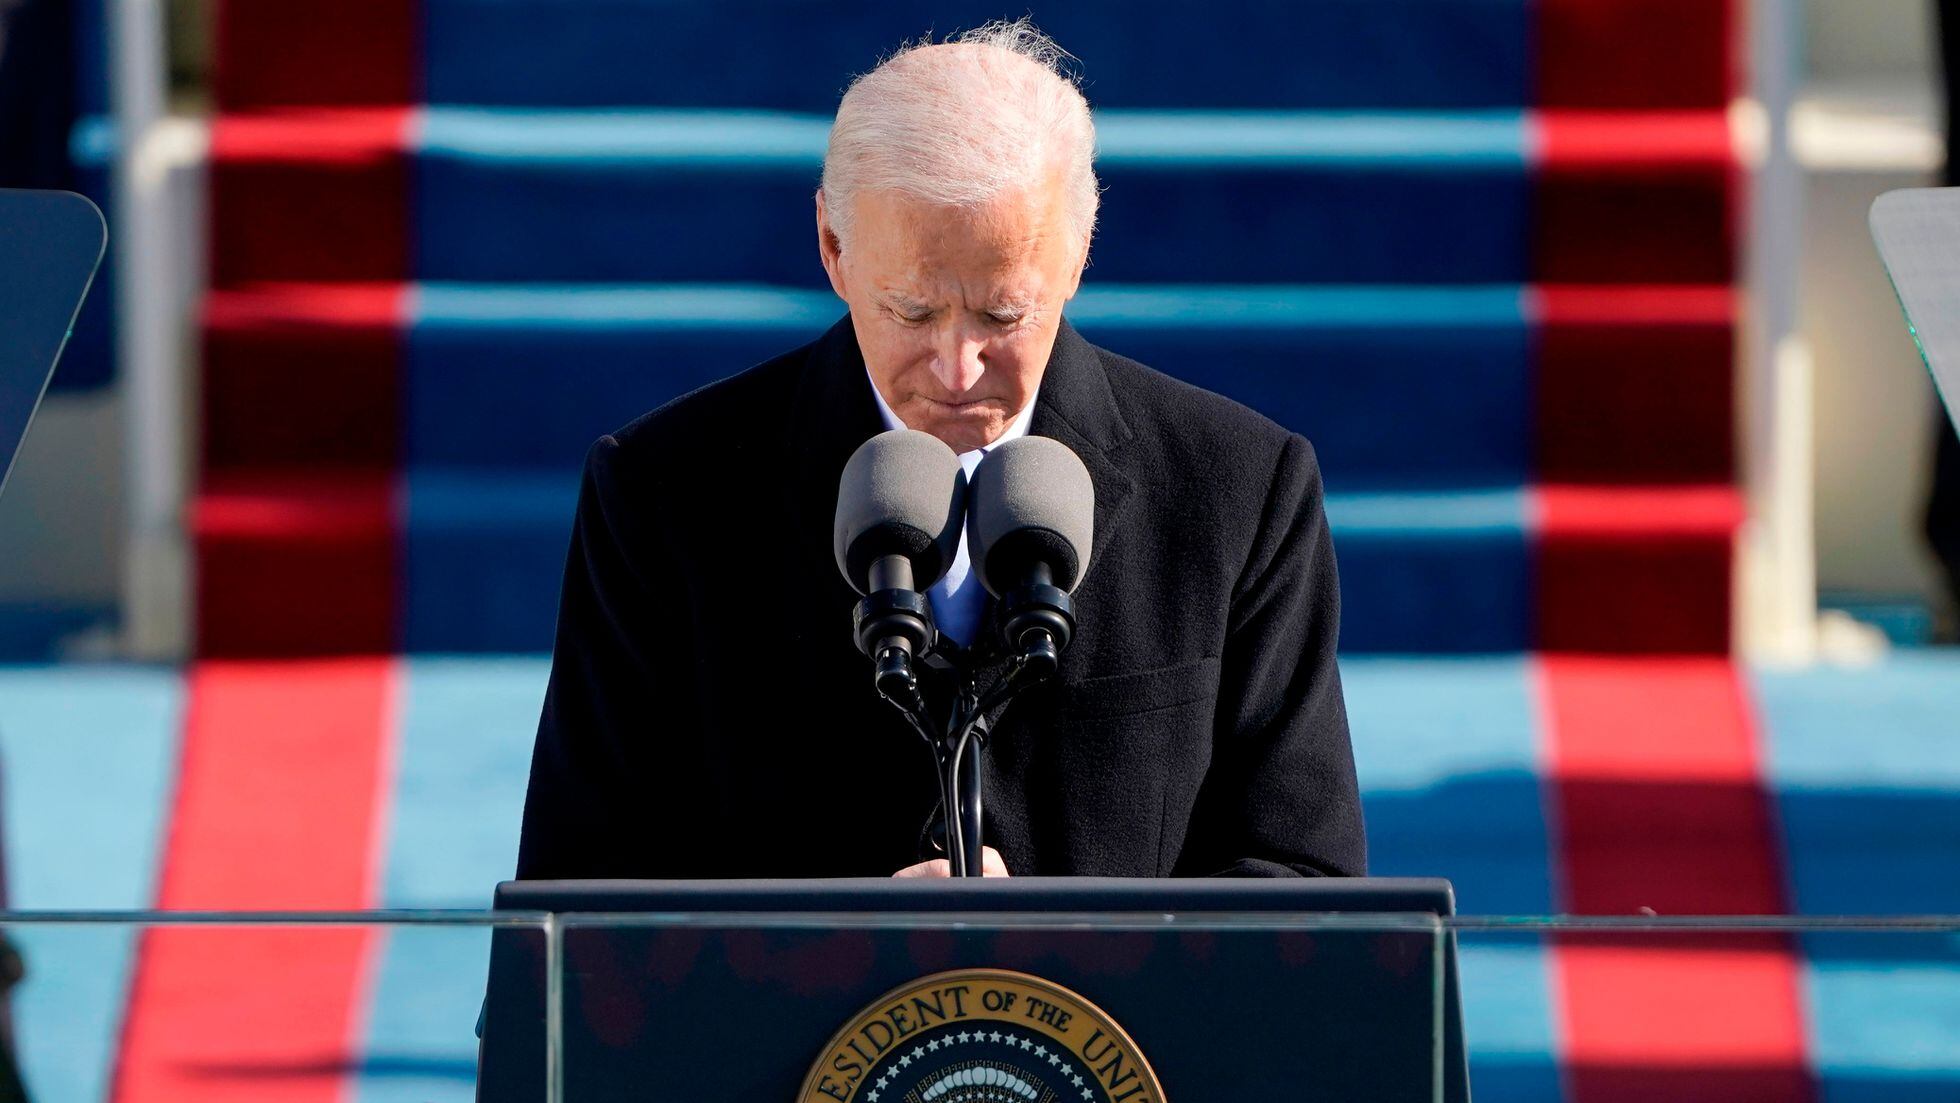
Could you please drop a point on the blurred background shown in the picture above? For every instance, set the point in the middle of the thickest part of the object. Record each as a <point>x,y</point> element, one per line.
<point>1628,455</point>
<point>94,527</point>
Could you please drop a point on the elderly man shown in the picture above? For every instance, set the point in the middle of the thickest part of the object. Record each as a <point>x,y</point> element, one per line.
<point>709,714</point>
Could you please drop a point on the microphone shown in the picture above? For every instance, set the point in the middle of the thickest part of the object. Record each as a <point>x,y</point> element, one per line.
<point>901,504</point>
<point>1030,523</point>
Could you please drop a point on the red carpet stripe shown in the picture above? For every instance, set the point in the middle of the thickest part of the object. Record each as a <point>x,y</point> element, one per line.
<point>310,195</point>
<point>1634,383</point>
<point>1658,798</point>
<point>303,375</point>
<point>277,808</point>
<point>1635,568</point>
<point>1634,197</point>
<point>1635,53</point>
<point>296,564</point>
<point>316,51</point>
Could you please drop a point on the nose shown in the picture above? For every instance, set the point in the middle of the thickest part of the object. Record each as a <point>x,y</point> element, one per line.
<point>956,362</point>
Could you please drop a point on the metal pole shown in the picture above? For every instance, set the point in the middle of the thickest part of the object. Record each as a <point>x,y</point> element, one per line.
<point>554,1009</point>
<point>147,337</point>
<point>1778,576</point>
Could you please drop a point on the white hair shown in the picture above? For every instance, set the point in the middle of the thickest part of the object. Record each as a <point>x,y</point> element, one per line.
<point>990,110</point>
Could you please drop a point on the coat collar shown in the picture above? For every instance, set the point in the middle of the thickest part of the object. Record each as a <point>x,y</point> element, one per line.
<point>835,412</point>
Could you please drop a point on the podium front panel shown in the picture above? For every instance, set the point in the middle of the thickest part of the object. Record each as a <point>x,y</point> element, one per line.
<point>883,1007</point>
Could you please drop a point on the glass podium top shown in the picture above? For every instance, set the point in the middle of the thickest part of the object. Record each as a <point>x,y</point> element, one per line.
<point>1917,231</point>
<point>50,244</point>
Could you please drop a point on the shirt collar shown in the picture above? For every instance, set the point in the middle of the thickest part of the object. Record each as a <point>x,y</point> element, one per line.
<point>1015,429</point>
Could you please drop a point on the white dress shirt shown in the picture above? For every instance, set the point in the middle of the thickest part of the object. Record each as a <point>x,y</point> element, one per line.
<point>958,600</point>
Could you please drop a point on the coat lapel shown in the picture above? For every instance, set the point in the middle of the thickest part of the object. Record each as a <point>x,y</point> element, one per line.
<point>833,413</point>
<point>1077,407</point>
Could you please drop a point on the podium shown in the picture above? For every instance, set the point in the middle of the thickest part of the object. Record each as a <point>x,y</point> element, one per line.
<point>1917,231</point>
<point>1049,990</point>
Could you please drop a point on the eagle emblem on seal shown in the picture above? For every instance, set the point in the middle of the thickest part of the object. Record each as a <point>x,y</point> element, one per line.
<point>981,1036</point>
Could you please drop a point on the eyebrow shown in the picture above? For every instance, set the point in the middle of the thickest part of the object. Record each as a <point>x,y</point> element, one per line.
<point>906,304</point>
<point>902,300</point>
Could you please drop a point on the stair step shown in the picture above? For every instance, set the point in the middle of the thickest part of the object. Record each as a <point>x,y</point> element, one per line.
<point>303,375</point>
<point>293,563</point>
<point>799,54</point>
<point>470,561</point>
<point>470,194</point>
<point>1643,569</point>
<point>1396,386</point>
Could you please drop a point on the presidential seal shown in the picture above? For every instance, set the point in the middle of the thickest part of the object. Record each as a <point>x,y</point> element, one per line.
<point>981,1036</point>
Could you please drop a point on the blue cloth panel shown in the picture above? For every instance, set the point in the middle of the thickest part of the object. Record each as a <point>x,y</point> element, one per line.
<point>527,376</point>
<point>461,764</point>
<point>483,558</point>
<point>89,754</point>
<point>35,630</point>
<point>91,52</point>
<point>1439,573</point>
<point>1395,387</point>
<point>1510,1028</point>
<point>800,54</point>
<point>1448,755</point>
<point>1868,786</point>
<point>463,757</point>
<point>1870,806</point>
<point>420,1040</point>
<point>1884,1016</point>
<point>712,196</point>
<point>1444,573</point>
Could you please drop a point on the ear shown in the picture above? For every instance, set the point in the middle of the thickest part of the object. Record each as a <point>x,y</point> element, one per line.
<point>830,249</point>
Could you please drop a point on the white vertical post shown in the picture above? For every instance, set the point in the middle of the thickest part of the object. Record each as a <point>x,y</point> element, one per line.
<point>155,571</point>
<point>1777,595</point>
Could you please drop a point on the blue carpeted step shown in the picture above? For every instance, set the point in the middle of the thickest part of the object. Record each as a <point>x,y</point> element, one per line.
<point>666,195</point>
<point>1453,571</point>
<point>482,558</point>
<point>799,54</point>
<point>1420,572</point>
<point>1395,386</point>
<point>90,752</point>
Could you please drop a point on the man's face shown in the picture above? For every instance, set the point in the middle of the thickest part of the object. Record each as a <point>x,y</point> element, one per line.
<point>956,309</point>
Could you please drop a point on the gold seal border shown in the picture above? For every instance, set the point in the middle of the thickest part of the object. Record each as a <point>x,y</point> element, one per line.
<point>1102,1018</point>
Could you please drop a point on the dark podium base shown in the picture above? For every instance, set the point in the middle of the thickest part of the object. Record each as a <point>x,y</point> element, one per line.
<point>729,990</point>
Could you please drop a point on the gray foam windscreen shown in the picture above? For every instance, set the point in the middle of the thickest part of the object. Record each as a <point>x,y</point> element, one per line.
<point>902,493</point>
<point>1031,499</point>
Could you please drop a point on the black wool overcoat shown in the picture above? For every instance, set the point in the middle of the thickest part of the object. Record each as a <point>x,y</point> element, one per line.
<point>709,715</point>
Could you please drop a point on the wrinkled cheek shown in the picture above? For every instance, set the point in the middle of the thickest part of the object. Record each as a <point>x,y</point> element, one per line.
<point>902,368</point>
<point>1017,374</point>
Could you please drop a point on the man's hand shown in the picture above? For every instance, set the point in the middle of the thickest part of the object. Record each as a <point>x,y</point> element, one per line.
<point>991,865</point>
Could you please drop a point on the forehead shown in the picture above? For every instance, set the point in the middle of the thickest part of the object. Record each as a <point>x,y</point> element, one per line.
<point>1016,232</point>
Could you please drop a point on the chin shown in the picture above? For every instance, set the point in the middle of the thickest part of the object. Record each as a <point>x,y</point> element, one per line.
<point>961,438</point>
<point>965,434</point>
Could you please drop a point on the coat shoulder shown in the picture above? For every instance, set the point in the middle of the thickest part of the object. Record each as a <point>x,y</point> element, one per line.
<point>1191,428</point>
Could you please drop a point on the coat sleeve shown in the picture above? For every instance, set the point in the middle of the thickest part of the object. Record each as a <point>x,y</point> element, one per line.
<point>1280,797</point>
<point>595,738</point>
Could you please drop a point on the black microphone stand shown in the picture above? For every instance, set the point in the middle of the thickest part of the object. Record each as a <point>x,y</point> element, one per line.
<point>959,750</point>
<point>966,744</point>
